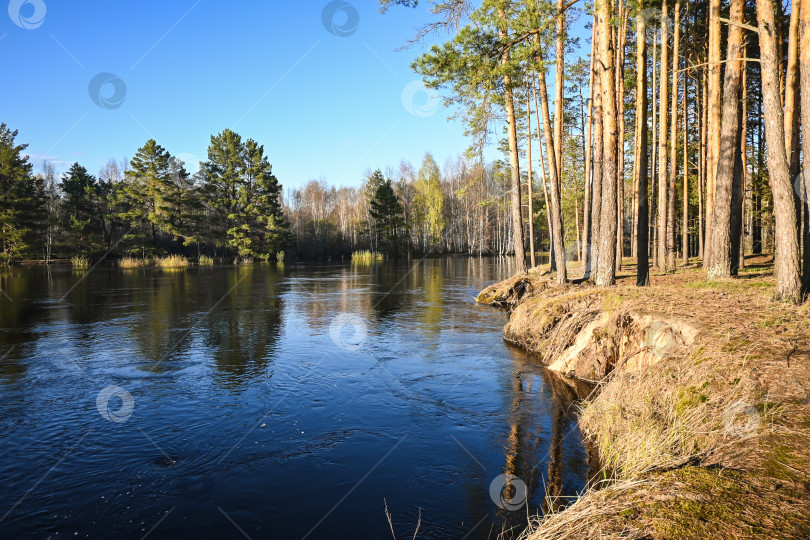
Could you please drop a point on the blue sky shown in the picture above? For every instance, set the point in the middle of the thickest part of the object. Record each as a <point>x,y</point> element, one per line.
<point>323,105</point>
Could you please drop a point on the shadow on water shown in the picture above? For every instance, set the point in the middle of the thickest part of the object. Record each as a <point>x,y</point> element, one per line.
<point>249,407</point>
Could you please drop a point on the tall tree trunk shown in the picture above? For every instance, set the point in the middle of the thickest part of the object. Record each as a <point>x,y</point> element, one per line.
<point>592,259</point>
<point>556,211</point>
<point>559,87</point>
<point>788,282</point>
<point>531,187</point>
<point>720,258</point>
<point>642,195</point>
<point>804,190</point>
<point>685,219</point>
<point>673,141</point>
<point>663,125</point>
<point>606,269</point>
<point>713,123</point>
<point>653,248</point>
<point>543,169</point>
<point>620,115</point>
<point>704,167</point>
<point>586,218</point>
<point>509,103</point>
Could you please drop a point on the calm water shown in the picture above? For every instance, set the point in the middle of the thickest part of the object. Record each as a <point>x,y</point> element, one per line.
<point>271,403</point>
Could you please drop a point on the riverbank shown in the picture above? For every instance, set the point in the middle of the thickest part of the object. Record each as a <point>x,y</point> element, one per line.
<point>701,413</point>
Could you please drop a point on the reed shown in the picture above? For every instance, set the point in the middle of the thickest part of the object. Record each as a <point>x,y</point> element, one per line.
<point>80,262</point>
<point>172,261</point>
<point>367,257</point>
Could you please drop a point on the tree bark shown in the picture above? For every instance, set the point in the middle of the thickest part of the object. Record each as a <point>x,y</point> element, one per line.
<point>673,142</point>
<point>788,282</point>
<point>713,122</point>
<point>719,266</point>
<point>592,259</point>
<point>642,178</point>
<point>531,187</point>
<point>556,212</point>
<point>606,269</point>
<point>663,125</point>
<point>804,190</point>
<point>586,233</point>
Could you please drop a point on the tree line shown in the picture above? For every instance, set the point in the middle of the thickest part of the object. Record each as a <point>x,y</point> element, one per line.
<point>149,206</point>
<point>689,135</point>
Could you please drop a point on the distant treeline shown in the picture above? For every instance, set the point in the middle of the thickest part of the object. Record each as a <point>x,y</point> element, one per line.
<point>232,208</point>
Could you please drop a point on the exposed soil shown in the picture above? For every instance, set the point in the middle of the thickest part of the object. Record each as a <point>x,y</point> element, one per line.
<point>702,411</point>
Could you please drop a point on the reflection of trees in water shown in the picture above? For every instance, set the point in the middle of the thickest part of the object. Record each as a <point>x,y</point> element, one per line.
<point>22,311</point>
<point>242,334</point>
<point>542,446</point>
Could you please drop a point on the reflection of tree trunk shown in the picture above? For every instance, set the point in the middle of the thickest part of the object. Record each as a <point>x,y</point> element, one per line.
<point>554,484</point>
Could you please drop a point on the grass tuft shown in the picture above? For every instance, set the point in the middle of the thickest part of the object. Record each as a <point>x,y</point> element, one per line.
<point>80,262</point>
<point>172,261</point>
<point>367,257</point>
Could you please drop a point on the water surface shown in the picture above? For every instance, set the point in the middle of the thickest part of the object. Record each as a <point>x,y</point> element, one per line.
<point>271,403</point>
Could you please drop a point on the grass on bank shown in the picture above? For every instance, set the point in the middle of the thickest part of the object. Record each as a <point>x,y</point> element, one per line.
<point>712,440</point>
<point>205,260</point>
<point>367,257</point>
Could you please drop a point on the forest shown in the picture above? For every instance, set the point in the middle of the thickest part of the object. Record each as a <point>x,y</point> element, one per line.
<point>673,131</point>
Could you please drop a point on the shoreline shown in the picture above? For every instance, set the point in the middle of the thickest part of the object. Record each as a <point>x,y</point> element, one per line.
<point>701,412</point>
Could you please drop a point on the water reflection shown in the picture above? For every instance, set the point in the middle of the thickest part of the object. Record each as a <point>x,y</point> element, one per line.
<point>236,379</point>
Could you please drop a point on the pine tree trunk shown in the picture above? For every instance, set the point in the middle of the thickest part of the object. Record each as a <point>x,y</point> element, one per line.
<point>531,188</point>
<point>620,115</point>
<point>713,122</point>
<point>788,283</point>
<point>641,157</point>
<point>586,218</point>
<point>804,47</point>
<point>592,258</point>
<point>663,125</point>
<point>673,142</point>
<point>685,219</point>
<point>509,103</point>
<point>719,266</point>
<point>556,211</point>
<point>606,269</point>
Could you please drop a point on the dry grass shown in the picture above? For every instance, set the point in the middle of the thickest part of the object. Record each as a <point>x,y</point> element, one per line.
<point>205,260</point>
<point>80,262</point>
<point>172,261</point>
<point>711,439</point>
<point>367,257</point>
<point>131,262</point>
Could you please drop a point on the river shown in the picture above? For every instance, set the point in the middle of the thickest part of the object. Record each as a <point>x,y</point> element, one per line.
<point>272,402</point>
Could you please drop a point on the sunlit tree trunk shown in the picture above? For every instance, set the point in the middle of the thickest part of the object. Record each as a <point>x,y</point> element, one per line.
<point>531,187</point>
<point>663,126</point>
<point>641,158</point>
<point>606,269</point>
<point>788,283</point>
<point>720,258</point>
<point>592,258</point>
<point>673,142</point>
<point>713,122</point>
<point>804,47</point>
<point>555,210</point>
<point>509,103</point>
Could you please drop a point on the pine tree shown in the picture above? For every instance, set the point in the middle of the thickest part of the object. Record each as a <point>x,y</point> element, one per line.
<point>387,213</point>
<point>79,211</point>
<point>17,197</point>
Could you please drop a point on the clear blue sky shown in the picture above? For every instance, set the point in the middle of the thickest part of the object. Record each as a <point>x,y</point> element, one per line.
<point>323,105</point>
